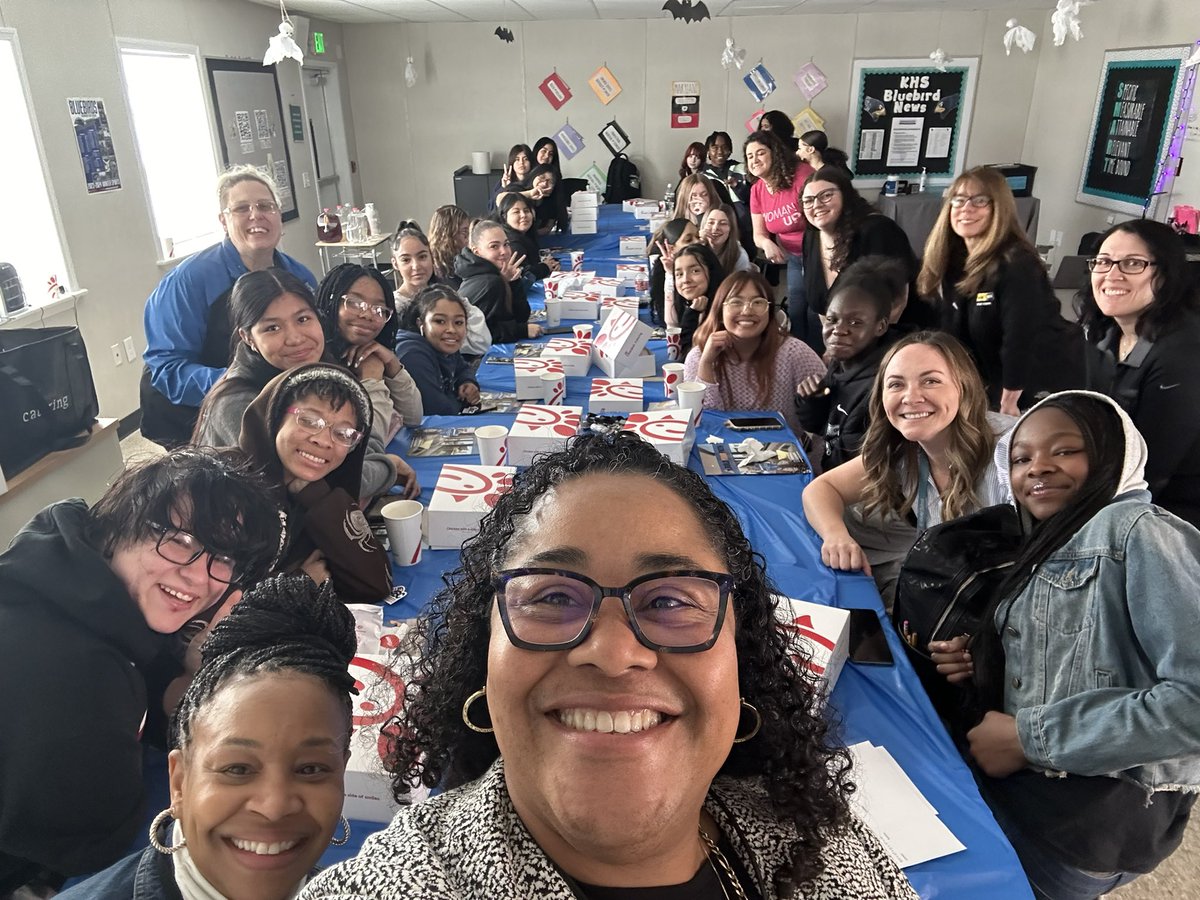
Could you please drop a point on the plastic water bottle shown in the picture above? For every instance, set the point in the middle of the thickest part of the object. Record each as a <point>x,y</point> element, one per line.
<point>372,219</point>
<point>669,198</point>
<point>921,183</point>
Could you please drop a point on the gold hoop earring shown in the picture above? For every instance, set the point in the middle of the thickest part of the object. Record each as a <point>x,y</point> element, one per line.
<point>481,693</point>
<point>337,842</point>
<point>745,705</point>
<point>165,849</point>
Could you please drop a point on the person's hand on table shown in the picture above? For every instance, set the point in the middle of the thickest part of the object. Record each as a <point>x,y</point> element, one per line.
<point>809,386</point>
<point>373,360</point>
<point>952,658</point>
<point>844,553</point>
<point>534,330</point>
<point>996,746</point>
<point>511,270</point>
<point>315,567</point>
<point>406,477</point>
<point>468,392</point>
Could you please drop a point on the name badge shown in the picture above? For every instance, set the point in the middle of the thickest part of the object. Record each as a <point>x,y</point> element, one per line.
<point>984,298</point>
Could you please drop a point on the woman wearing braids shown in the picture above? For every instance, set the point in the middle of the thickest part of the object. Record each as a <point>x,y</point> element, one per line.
<point>260,742</point>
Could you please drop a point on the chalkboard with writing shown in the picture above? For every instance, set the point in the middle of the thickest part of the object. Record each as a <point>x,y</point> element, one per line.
<point>1135,111</point>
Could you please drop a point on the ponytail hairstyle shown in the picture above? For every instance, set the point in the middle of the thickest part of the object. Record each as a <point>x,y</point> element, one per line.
<point>830,156</point>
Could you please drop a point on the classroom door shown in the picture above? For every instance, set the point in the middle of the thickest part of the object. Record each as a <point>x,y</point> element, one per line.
<point>327,131</point>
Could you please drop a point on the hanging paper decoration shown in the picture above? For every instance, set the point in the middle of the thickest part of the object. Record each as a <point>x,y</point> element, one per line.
<point>808,120</point>
<point>1019,36</point>
<point>940,58</point>
<point>811,80</point>
<point>605,84</point>
<point>283,45</point>
<point>504,34</point>
<point>597,180</point>
<point>760,82</point>
<point>685,104</point>
<point>569,141</point>
<point>1065,20</point>
<point>410,73</point>
<point>752,122</point>
<point>555,90</point>
<point>614,137</point>
<point>733,55</point>
<point>687,10</point>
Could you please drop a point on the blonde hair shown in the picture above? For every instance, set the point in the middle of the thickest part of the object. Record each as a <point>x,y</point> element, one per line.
<point>236,175</point>
<point>943,247</point>
<point>886,454</point>
<point>685,190</point>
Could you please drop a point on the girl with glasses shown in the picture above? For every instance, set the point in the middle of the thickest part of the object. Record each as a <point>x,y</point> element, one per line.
<point>1142,313</point>
<point>307,431</point>
<point>611,705</point>
<point>744,358</point>
<point>993,293</point>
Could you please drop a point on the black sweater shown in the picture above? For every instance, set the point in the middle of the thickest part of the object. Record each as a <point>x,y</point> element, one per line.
<point>503,304</point>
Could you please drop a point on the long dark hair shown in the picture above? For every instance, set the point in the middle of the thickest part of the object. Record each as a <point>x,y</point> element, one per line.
<point>1175,292</point>
<point>255,291</point>
<point>716,274</point>
<point>427,298</point>
<point>762,361</point>
<point>329,300</point>
<point>554,164</point>
<point>506,202</point>
<point>782,172</point>
<point>855,208</point>
<point>830,156</point>
<point>805,775</point>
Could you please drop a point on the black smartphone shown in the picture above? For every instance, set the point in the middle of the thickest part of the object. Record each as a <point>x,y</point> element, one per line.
<point>868,643</point>
<point>754,423</point>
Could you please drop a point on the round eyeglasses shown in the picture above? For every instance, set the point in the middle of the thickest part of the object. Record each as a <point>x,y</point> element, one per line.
<point>312,423</point>
<point>822,199</point>
<point>678,611</point>
<point>739,304</point>
<point>366,307</point>
<point>1130,265</point>
<point>179,547</point>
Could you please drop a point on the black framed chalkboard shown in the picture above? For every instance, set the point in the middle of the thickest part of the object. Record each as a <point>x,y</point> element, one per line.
<point>1136,106</point>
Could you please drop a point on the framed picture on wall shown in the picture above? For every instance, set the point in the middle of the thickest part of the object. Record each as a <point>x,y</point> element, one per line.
<point>1137,103</point>
<point>910,117</point>
<point>249,113</point>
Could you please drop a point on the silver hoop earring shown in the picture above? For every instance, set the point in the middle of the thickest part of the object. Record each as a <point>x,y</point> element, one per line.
<point>337,842</point>
<point>745,705</point>
<point>466,710</point>
<point>166,849</point>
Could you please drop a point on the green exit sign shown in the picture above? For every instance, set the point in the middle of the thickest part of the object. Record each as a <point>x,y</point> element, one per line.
<point>318,41</point>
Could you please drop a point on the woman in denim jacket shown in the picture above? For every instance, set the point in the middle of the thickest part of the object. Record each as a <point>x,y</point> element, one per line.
<point>1089,751</point>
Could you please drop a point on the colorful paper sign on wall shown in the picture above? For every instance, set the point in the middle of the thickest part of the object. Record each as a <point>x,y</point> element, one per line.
<point>569,141</point>
<point>605,84</point>
<point>808,120</point>
<point>760,82</point>
<point>596,179</point>
<point>685,104</point>
<point>614,137</point>
<point>94,139</point>
<point>555,90</point>
<point>752,122</point>
<point>811,80</point>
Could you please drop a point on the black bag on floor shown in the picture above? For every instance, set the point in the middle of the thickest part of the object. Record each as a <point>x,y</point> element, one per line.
<point>47,396</point>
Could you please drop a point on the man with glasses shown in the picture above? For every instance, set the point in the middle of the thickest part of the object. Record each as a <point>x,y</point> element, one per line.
<point>187,316</point>
<point>91,601</point>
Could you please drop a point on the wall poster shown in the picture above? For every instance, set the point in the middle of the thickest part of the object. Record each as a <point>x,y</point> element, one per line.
<point>94,138</point>
<point>1135,106</point>
<point>910,117</point>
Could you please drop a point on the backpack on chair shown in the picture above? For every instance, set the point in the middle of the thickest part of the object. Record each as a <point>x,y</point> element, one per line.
<point>624,181</point>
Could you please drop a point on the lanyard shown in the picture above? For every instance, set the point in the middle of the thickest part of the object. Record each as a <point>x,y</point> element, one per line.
<point>922,490</point>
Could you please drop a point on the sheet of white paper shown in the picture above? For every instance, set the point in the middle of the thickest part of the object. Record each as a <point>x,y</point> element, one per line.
<point>905,146</point>
<point>937,144</point>
<point>870,144</point>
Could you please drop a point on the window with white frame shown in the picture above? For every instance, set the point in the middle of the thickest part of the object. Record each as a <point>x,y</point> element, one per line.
<point>30,233</point>
<point>175,147</point>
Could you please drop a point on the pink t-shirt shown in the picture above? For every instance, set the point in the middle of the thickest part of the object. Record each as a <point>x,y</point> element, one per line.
<point>781,212</point>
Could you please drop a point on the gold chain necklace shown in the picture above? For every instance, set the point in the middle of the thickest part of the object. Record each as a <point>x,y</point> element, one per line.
<point>720,864</point>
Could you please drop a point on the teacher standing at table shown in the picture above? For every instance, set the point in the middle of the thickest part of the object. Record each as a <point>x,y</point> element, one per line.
<point>187,316</point>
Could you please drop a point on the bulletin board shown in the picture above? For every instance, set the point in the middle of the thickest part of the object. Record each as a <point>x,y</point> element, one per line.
<point>1136,103</point>
<point>249,114</point>
<point>910,117</point>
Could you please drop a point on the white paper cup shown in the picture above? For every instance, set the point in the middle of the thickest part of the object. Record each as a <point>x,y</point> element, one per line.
<point>583,332</point>
<point>690,395</point>
<point>672,377</point>
<point>493,445</point>
<point>403,521</point>
<point>577,260</point>
<point>674,343</point>
<point>553,312</point>
<point>554,388</point>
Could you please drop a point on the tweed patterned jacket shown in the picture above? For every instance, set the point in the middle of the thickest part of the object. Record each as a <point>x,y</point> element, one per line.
<point>470,843</point>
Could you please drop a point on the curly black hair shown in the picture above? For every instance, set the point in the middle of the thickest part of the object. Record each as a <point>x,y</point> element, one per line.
<point>329,301</point>
<point>805,776</point>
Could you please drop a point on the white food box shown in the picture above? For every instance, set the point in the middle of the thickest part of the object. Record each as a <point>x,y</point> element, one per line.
<point>608,305</point>
<point>462,497</point>
<point>584,199</point>
<point>824,631</point>
<point>621,339</point>
<point>658,220</point>
<point>541,429</point>
<point>631,272</point>
<point>645,209</point>
<point>615,395</point>
<point>579,305</point>
<point>381,696</point>
<point>583,227</point>
<point>606,287</point>
<point>575,354</point>
<point>558,283</point>
<point>668,430</point>
<point>631,204</point>
<point>584,214</point>
<point>631,245</point>
<point>527,374</point>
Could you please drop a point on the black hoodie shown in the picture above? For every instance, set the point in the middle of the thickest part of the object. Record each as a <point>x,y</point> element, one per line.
<point>502,303</point>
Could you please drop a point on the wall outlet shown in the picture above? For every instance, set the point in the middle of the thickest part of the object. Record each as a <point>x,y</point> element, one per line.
<point>130,350</point>
<point>118,356</point>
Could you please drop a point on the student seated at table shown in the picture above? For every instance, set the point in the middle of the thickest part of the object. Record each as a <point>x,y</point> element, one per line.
<point>259,749</point>
<point>836,407</point>
<point>551,211</point>
<point>692,161</point>
<point>696,195</point>
<point>277,327</point>
<point>698,274</point>
<point>449,231</point>
<point>360,331</point>
<point>743,357</point>
<point>1086,736</point>
<point>491,281</point>
<point>91,600</point>
<point>718,148</point>
<point>719,229</point>
<point>580,759</point>
<point>926,457</point>
<point>517,166</point>
<point>676,233</point>
<point>412,261</point>
<point>429,344</point>
<point>515,213</point>
<point>307,431</point>
<point>538,188</point>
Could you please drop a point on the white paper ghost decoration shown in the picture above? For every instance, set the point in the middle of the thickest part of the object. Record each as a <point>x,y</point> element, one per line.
<point>940,58</point>
<point>1065,19</point>
<point>410,73</point>
<point>1194,59</point>
<point>1019,36</point>
<point>733,55</point>
<point>282,46</point>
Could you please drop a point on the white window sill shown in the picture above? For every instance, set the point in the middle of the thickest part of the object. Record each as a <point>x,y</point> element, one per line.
<point>34,314</point>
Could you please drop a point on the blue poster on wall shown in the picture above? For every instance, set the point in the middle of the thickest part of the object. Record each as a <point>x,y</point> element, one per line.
<point>94,138</point>
<point>569,141</point>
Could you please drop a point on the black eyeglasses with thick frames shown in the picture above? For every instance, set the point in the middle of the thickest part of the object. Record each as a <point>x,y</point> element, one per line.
<point>979,201</point>
<point>366,307</point>
<point>824,198</point>
<point>678,611</point>
<point>1130,265</point>
<point>178,546</point>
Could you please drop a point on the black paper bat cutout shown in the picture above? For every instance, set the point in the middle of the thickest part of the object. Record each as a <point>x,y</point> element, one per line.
<point>686,10</point>
<point>504,34</point>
